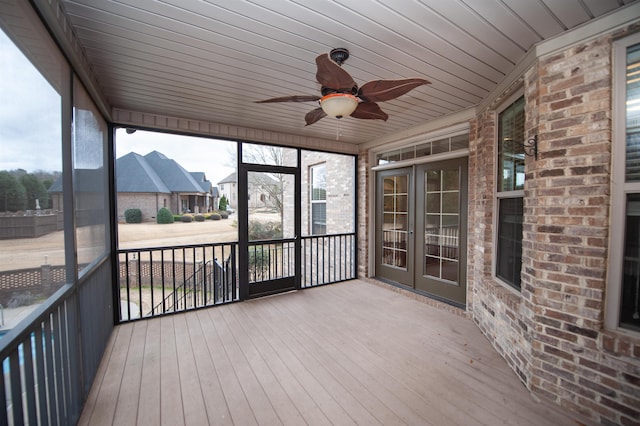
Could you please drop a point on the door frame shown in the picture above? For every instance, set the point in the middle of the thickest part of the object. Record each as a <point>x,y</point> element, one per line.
<point>274,286</point>
<point>408,279</point>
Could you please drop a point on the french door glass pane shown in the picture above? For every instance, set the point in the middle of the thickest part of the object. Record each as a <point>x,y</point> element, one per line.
<point>395,225</point>
<point>441,224</point>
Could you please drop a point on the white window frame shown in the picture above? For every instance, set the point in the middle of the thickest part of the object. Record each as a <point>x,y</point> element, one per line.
<point>499,195</point>
<point>619,188</point>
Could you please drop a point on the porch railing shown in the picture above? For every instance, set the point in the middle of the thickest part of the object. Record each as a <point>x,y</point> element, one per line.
<point>162,280</point>
<point>328,259</point>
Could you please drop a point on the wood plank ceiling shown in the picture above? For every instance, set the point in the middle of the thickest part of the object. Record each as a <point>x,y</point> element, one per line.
<point>211,60</point>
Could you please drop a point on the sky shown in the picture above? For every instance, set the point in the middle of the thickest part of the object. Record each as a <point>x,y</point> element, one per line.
<point>34,143</point>
<point>25,93</point>
<point>211,156</point>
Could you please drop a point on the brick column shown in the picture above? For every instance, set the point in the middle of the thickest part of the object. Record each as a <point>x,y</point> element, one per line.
<point>363,214</point>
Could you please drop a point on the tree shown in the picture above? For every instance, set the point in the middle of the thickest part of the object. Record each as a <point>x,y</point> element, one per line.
<point>222,205</point>
<point>12,193</point>
<point>35,190</point>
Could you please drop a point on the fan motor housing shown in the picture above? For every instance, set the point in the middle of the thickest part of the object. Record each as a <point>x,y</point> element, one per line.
<point>339,55</point>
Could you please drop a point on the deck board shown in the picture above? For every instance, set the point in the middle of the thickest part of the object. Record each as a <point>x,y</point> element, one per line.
<point>348,353</point>
<point>150,380</point>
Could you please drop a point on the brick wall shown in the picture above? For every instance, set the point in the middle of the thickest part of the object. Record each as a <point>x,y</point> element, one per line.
<point>552,332</point>
<point>148,203</point>
<point>340,191</point>
<point>497,310</point>
<point>575,362</point>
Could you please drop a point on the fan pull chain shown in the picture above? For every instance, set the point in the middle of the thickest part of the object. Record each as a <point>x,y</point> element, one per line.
<point>338,130</point>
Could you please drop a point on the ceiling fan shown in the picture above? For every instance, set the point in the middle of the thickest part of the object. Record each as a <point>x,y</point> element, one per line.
<point>341,95</point>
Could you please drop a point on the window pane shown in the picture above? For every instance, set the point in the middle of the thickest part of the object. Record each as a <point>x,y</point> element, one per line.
<point>510,148</point>
<point>318,194</point>
<point>32,254</point>
<point>318,218</point>
<point>90,178</point>
<point>424,149</point>
<point>509,248</point>
<point>319,182</point>
<point>630,307</point>
<point>633,114</point>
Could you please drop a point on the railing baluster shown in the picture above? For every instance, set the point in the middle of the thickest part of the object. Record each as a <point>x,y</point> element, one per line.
<point>4,418</point>
<point>139,284</point>
<point>51,383</point>
<point>59,392</point>
<point>163,283</point>
<point>128,287</point>
<point>40,376</point>
<point>29,379</point>
<point>16,386</point>
<point>153,302</point>
<point>340,259</point>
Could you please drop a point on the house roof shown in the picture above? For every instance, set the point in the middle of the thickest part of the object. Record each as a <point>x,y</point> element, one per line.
<point>201,178</point>
<point>173,175</point>
<point>135,174</point>
<point>233,178</point>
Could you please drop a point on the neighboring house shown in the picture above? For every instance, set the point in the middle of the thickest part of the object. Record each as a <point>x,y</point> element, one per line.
<point>149,183</point>
<point>262,190</point>
<point>154,181</point>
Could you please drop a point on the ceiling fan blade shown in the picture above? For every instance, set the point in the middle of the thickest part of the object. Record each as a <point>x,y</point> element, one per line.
<point>314,115</point>
<point>369,110</point>
<point>384,90</point>
<point>331,75</point>
<point>294,98</point>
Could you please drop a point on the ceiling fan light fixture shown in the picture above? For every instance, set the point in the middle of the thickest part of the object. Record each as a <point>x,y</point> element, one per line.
<point>339,105</point>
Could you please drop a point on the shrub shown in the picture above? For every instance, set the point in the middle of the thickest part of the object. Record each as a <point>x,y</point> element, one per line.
<point>199,218</point>
<point>224,214</point>
<point>215,216</point>
<point>264,230</point>
<point>259,262</point>
<point>186,218</point>
<point>164,216</point>
<point>177,217</point>
<point>133,216</point>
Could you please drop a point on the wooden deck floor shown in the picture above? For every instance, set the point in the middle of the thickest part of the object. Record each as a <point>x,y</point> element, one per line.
<point>348,353</point>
